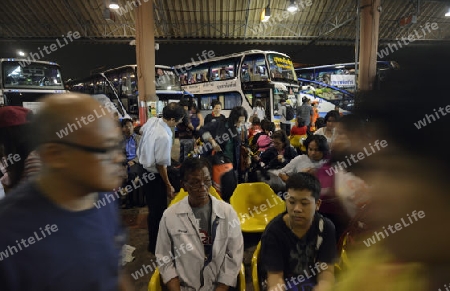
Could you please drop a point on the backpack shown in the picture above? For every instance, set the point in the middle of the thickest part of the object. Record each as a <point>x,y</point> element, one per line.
<point>289,112</point>
<point>224,179</point>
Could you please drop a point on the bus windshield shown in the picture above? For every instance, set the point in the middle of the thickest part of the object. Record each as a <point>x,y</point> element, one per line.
<point>281,68</point>
<point>32,76</point>
<point>166,79</point>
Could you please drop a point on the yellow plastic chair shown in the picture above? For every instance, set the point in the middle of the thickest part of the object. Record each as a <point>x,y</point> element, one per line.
<point>255,277</point>
<point>248,195</point>
<point>183,194</point>
<point>156,283</point>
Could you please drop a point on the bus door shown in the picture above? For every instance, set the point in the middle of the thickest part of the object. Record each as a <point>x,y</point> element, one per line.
<point>262,95</point>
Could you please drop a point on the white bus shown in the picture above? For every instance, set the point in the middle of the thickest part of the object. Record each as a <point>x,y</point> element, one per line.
<point>242,79</point>
<point>23,82</point>
<point>121,87</point>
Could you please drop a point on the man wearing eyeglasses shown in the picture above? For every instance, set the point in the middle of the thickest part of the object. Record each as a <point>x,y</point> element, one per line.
<point>52,237</point>
<point>200,244</point>
<point>154,153</point>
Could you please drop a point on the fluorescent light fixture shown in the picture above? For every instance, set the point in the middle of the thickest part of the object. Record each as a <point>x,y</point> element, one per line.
<point>448,13</point>
<point>21,53</point>
<point>113,4</point>
<point>340,67</point>
<point>292,7</point>
<point>265,14</point>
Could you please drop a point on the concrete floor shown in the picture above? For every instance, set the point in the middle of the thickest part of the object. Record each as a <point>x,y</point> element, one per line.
<point>136,221</point>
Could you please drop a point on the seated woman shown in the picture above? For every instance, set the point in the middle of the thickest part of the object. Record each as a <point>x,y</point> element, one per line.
<point>262,141</point>
<point>298,135</point>
<point>275,157</point>
<point>329,129</point>
<point>298,247</point>
<point>317,155</point>
<point>279,154</point>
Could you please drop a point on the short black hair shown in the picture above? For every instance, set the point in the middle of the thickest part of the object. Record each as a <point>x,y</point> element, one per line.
<point>173,110</point>
<point>332,114</point>
<point>256,121</point>
<point>193,164</point>
<point>304,181</point>
<point>184,102</point>
<point>235,113</point>
<point>267,125</point>
<point>216,102</point>
<point>321,141</point>
<point>125,121</point>
<point>281,135</point>
<point>300,122</point>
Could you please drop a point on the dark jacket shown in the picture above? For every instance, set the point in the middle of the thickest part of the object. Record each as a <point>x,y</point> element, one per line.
<point>209,118</point>
<point>270,157</point>
<point>218,130</point>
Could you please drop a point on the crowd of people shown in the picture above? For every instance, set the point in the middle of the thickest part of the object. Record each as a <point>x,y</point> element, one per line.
<point>54,183</point>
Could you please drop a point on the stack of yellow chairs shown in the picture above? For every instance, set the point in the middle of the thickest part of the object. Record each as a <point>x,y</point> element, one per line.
<point>268,205</point>
<point>155,283</point>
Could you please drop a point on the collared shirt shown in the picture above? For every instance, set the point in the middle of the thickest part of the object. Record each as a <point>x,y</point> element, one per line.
<point>180,241</point>
<point>130,147</point>
<point>156,144</point>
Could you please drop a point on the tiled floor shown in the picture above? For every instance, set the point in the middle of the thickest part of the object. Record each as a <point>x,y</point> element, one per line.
<point>138,238</point>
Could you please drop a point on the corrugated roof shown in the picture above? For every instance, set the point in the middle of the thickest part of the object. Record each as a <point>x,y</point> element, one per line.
<point>223,21</point>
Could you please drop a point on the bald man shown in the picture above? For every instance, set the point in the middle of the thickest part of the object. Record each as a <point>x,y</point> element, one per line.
<point>54,234</point>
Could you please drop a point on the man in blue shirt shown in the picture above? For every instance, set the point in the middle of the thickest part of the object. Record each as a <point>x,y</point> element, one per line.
<point>52,237</point>
<point>134,169</point>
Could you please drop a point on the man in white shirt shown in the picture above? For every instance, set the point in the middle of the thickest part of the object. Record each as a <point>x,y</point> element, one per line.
<point>154,155</point>
<point>201,235</point>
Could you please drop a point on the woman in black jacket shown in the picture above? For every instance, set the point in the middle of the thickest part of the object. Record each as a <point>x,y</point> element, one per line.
<point>279,154</point>
<point>226,136</point>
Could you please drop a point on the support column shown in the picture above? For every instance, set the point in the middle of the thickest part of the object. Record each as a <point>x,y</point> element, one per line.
<point>145,57</point>
<point>369,31</point>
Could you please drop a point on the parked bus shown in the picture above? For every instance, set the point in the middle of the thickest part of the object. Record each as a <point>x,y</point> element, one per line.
<point>335,85</point>
<point>242,79</point>
<point>23,82</point>
<point>121,87</point>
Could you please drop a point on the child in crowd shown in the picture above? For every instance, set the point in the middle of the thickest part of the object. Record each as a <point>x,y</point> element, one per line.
<point>255,128</point>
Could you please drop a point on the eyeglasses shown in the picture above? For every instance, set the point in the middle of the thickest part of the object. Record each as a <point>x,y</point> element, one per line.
<point>200,185</point>
<point>89,149</point>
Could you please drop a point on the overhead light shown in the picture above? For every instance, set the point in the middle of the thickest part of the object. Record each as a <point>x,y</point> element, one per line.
<point>340,67</point>
<point>448,13</point>
<point>21,53</point>
<point>292,7</point>
<point>113,4</point>
<point>265,14</point>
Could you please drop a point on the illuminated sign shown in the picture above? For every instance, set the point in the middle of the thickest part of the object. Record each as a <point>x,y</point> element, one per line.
<point>284,63</point>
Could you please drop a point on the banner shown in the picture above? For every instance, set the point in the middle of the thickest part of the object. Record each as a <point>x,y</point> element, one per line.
<point>343,81</point>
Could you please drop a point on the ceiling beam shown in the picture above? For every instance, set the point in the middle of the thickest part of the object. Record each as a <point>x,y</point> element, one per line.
<point>272,41</point>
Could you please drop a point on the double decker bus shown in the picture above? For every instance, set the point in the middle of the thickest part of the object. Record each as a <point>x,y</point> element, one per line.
<point>23,82</point>
<point>241,79</point>
<point>335,85</point>
<point>121,87</point>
